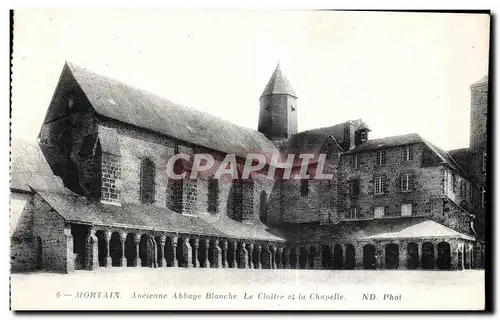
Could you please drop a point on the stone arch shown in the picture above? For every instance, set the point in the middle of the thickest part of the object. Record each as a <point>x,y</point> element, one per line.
<point>369,256</point>
<point>265,257</point>
<point>147,181</point>
<point>326,257</point>
<point>285,258</point>
<point>81,242</point>
<point>391,256</point>
<point>428,255</point>
<point>294,258</point>
<point>338,257</point>
<point>213,196</point>
<point>303,257</point>
<point>102,251</point>
<point>460,259</point>
<point>169,252</point>
<point>466,257</point>
<point>412,256</point>
<point>147,251</point>
<point>263,206</point>
<point>130,250</point>
<point>115,249</point>
<point>350,257</point>
<point>444,255</point>
<point>181,252</point>
<point>313,253</point>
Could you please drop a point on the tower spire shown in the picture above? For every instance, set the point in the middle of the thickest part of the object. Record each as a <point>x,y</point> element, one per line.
<point>278,107</point>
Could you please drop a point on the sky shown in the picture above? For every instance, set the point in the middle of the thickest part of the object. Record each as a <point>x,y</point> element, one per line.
<point>399,72</point>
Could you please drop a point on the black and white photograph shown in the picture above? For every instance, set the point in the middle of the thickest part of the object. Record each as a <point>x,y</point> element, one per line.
<point>218,160</point>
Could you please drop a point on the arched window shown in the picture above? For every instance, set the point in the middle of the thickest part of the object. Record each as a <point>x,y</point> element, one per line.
<point>262,204</point>
<point>147,181</point>
<point>213,195</point>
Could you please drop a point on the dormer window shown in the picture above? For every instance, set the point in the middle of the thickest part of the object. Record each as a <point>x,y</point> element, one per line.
<point>363,136</point>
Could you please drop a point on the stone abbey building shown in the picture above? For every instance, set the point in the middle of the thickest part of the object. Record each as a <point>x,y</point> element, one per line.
<point>94,191</point>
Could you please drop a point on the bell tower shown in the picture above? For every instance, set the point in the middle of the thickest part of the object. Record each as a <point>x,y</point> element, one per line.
<point>278,108</point>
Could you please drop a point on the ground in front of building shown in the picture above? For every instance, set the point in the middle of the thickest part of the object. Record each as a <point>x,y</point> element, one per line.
<point>229,289</point>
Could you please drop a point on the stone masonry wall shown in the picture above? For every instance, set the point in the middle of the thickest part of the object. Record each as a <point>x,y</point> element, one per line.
<point>22,249</point>
<point>110,177</point>
<point>428,183</point>
<point>136,144</point>
<point>56,241</point>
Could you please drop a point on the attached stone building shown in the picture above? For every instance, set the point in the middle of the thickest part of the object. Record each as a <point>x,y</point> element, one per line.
<point>102,198</point>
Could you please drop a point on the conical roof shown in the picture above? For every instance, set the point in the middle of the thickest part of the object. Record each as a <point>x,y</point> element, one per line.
<point>278,84</point>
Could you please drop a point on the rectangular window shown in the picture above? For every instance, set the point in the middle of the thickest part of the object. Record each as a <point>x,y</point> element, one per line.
<point>484,161</point>
<point>406,182</point>
<point>380,158</point>
<point>406,209</point>
<point>304,187</point>
<point>407,153</point>
<point>379,212</point>
<point>354,161</point>
<point>354,188</point>
<point>379,185</point>
<point>353,213</point>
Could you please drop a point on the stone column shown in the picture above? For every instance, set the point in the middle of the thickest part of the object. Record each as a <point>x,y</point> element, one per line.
<point>123,239</point>
<point>272,262</point>
<point>280,254</point>
<point>163,261</point>
<point>137,240</point>
<point>235,254</point>
<point>266,258</point>
<point>250,256</point>
<point>188,253</point>
<point>196,246</point>
<point>403,255</point>
<point>217,259</point>
<point>436,256</point>
<point>109,261</point>
<point>307,262</point>
<point>173,242</point>
<point>318,258</point>
<point>380,255</point>
<point>92,258</point>
<point>243,256</point>
<point>286,258</point>
<point>69,263</point>
<point>224,254</point>
<point>454,255</point>
<point>258,265</point>
<point>206,248</point>
<point>420,255</point>
<point>297,257</point>
<point>358,256</point>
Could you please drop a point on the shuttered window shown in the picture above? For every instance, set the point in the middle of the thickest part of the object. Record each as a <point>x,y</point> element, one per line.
<point>406,209</point>
<point>379,212</point>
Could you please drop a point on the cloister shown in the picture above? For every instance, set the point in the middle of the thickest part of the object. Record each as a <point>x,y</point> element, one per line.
<point>96,247</point>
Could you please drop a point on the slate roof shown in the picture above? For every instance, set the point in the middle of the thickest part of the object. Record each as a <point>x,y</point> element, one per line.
<point>116,100</point>
<point>78,209</point>
<point>408,139</point>
<point>373,229</point>
<point>463,157</point>
<point>278,84</point>
<point>29,167</point>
